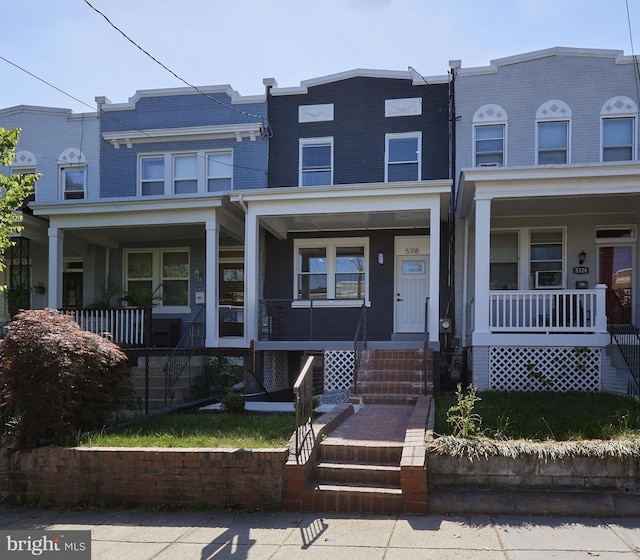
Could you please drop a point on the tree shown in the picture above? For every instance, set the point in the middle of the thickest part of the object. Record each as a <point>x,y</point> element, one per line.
<point>14,190</point>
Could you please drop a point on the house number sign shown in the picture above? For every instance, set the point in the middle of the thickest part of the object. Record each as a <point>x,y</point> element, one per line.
<point>581,270</point>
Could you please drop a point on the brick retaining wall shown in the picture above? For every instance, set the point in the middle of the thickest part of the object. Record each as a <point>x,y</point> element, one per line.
<point>244,478</point>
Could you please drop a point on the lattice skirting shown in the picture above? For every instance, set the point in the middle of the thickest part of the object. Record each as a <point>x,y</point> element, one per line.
<point>276,374</point>
<point>544,368</point>
<point>338,369</point>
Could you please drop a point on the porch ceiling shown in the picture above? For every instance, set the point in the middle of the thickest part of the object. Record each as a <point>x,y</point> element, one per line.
<point>406,219</point>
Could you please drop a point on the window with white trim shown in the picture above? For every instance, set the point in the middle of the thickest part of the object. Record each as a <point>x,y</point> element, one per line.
<point>23,172</point>
<point>504,260</point>
<point>186,173</point>
<point>158,275</point>
<point>73,180</point>
<point>553,142</point>
<point>546,258</point>
<point>316,162</point>
<point>403,159</point>
<point>618,139</point>
<point>489,145</point>
<point>331,269</point>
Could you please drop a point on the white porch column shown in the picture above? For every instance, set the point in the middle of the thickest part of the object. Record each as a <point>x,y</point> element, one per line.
<point>434,276</point>
<point>251,279</point>
<point>482,255</point>
<point>56,247</point>
<point>601,308</point>
<point>211,288</point>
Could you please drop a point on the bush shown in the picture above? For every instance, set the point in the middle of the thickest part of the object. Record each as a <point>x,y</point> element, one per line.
<point>218,378</point>
<point>59,379</point>
<point>233,403</point>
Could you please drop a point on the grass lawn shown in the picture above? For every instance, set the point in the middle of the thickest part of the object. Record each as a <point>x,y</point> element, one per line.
<point>549,416</point>
<point>200,430</point>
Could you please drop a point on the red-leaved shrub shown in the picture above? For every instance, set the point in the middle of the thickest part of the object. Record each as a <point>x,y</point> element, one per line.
<point>59,379</point>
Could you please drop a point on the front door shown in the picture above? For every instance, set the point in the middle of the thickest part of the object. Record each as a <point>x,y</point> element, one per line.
<point>231,299</point>
<point>616,271</point>
<point>411,284</point>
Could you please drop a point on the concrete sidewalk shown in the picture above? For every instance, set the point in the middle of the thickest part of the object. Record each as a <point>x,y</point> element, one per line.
<point>141,535</point>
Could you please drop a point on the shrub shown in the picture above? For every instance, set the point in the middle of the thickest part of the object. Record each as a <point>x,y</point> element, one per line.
<point>233,402</point>
<point>58,378</point>
<point>218,378</point>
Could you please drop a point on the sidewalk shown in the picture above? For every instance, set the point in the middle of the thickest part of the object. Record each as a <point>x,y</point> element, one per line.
<point>142,535</point>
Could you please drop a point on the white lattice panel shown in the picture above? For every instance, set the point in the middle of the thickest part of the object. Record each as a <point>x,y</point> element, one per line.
<point>338,369</point>
<point>544,369</point>
<point>276,376</point>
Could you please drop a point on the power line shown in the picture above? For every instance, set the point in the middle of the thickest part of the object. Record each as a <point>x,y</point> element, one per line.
<point>633,53</point>
<point>252,115</point>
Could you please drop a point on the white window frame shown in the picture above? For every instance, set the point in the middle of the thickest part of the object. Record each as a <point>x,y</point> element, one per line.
<point>633,120</point>
<point>398,136</point>
<point>209,177</point>
<point>307,142</point>
<point>63,183</point>
<point>567,148</point>
<point>156,275</point>
<point>330,244</point>
<point>187,179</point>
<point>169,170</point>
<point>503,126</point>
<point>563,258</point>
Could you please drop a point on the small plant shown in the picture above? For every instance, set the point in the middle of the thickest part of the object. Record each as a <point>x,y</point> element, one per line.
<point>233,403</point>
<point>217,378</point>
<point>465,422</point>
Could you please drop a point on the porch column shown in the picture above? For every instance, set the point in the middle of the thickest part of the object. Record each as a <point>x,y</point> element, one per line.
<point>211,288</point>
<point>434,277</point>
<point>482,255</point>
<point>601,308</point>
<point>251,279</point>
<point>56,247</point>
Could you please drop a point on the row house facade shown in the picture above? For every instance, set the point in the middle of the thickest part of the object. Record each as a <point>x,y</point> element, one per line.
<point>547,207</point>
<point>487,217</point>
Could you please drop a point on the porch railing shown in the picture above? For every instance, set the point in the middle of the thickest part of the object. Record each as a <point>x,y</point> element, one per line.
<point>129,326</point>
<point>625,335</point>
<point>359,343</point>
<point>544,311</point>
<point>303,399</point>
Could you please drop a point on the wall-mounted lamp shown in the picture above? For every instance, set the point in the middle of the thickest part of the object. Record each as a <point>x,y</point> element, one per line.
<point>582,256</point>
<point>39,288</point>
<point>380,258</point>
<point>197,274</point>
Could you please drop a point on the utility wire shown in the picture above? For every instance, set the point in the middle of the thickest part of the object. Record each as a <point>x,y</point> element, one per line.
<point>252,115</point>
<point>633,53</point>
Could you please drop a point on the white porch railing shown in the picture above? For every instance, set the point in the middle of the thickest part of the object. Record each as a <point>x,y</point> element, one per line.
<point>558,311</point>
<point>122,326</point>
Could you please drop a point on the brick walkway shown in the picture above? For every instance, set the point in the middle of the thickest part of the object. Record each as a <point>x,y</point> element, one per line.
<point>380,423</point>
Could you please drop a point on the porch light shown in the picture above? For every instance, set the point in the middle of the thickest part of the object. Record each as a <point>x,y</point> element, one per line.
<point>380,258</point>
<point>582,256</point>
<point>197,274</point>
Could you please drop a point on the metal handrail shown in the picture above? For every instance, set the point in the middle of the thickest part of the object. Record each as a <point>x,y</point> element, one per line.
<point>625,335</point>
<point>303,399</point>
<point>359,343</point>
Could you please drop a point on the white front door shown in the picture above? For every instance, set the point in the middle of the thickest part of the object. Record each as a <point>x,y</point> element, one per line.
<point>411,283</point>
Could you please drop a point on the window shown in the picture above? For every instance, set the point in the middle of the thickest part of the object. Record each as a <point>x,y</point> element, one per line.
<point>316,162</point>
<point>503,267</point>
<point>547,258</point>
<point>23,172</point>
<point>331,269</point>
<point>158,277</point>
<point>489,145</point>
<point>152,175</point>
<point>553,142</point>
<point>73,182</point>
<point>219,172</point>
<point>185,174</point>
<point>617,139</point>
<point>403,157</point>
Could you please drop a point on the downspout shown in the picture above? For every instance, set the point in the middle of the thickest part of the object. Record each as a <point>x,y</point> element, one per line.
<point>243,204</point>
<point>465,279</point>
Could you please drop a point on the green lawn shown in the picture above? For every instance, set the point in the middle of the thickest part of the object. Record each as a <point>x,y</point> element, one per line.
<point>549,416</point>
<point>200,430</point>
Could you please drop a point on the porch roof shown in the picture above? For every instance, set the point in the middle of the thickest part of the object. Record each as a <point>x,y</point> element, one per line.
<point>575,189</point>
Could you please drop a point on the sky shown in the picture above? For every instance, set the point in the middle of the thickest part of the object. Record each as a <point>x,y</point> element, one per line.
<point>241,42</point>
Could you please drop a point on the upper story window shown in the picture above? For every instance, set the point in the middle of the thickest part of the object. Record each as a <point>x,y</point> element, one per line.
<point>489,136</point>
<point>316,162</point>
<point>403,157</point>
<point>331,269</point>
<point>219,171</point>
<point>619,129</point>
<point>73,174</point>
<point>186,173</point>
<point>22,171</point>
<point>553,120</point>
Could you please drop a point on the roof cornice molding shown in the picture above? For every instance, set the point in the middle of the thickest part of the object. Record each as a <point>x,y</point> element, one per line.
<point>57,111</point>
<point>237,131</point>
<point>234,96</point>
<point>494,65</point>
<point>359,73</point>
